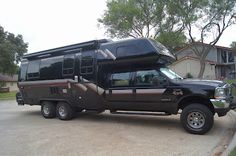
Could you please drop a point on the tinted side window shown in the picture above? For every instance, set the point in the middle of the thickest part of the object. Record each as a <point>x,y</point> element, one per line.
<point>86,65</point>
<point>33,69</point>
<point>149,78</point>
<point>23,70</point>
<point>51,68</point>
<point>68,64</point>
<point>126,50</point>
<point>120,79</point>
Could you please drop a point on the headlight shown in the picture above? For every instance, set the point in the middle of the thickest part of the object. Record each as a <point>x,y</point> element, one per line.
<point>220,93</point>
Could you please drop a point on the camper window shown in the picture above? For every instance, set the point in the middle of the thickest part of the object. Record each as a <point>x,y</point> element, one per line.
<point>23,71</point>
<point>68,64</point>
<point>33,69</point>
<point>86,65</point>
<point>129,50</point>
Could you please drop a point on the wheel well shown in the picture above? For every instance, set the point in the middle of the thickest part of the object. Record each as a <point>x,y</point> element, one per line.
<point>196,99</point>
<point>52,101</point>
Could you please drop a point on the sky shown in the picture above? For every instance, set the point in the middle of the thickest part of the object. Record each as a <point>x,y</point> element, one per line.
<point>47,24</point>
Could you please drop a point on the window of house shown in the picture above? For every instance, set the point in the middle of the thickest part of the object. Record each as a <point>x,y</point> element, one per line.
<point>68,64</point>
<point>230,57</point>
<point>33,69</point>
<point>223,57</point>
<point>120,79</point>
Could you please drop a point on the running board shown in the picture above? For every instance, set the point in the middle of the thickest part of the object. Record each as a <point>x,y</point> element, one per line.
<point>140,113</point>
<point>93,111</point>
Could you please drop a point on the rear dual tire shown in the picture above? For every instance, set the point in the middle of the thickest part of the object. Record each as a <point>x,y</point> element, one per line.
<point>48,109</point>
<point>64,111</point>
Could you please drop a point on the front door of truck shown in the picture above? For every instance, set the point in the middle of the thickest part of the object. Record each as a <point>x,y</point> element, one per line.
<point>120,93</point>
<point>150,87</point>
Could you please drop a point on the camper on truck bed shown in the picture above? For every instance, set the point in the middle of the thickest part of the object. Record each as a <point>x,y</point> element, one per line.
<point>125,77</point>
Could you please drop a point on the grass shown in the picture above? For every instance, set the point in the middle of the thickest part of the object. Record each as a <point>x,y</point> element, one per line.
<point>231,81</point>
<point>234,89</point>
<point>9,95</point>
<point>233,153</point>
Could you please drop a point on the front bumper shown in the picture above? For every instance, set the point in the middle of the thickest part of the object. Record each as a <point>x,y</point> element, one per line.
<point>220,103</point>
<point>222,106</point>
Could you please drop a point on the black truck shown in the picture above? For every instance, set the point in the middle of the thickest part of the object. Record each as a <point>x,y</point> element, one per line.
<point>125,77</point>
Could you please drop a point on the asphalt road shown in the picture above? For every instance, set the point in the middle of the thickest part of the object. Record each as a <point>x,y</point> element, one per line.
<point>23,131</point>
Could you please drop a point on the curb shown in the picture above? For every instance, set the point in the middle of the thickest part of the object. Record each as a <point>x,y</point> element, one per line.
<point>11,98</point>
<point>232,144</point>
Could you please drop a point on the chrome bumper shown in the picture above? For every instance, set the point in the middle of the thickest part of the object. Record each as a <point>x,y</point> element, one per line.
<point>220,103</point>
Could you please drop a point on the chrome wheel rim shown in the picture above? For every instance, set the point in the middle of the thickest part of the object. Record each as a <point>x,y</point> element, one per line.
<point>196,120</point>
<point>46,109</point>
<point>62,111</point>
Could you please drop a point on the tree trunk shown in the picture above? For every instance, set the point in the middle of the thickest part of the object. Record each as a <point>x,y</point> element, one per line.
<point>202,68</point>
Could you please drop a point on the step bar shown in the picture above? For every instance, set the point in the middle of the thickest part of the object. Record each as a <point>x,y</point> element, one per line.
<point>140,113</point>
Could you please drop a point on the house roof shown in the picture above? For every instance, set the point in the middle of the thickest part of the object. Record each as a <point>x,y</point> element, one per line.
<point>200,43</point>
<point>8,78</point>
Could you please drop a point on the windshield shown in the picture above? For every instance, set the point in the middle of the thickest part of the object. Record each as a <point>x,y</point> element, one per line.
<point>170,74</point>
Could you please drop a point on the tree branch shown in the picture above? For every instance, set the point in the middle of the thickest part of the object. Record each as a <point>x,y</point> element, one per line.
<point>189,28</point>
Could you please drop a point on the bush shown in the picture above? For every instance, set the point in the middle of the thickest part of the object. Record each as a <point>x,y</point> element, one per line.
<point>189,75</point>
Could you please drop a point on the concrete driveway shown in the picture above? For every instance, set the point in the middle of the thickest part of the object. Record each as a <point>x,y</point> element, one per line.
<point>23,131</point>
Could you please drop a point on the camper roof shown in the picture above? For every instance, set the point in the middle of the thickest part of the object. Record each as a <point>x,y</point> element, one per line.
<point>90,45</point>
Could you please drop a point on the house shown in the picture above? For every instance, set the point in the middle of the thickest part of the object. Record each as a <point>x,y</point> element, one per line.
<point>8,83</point>
<point>220,61</point>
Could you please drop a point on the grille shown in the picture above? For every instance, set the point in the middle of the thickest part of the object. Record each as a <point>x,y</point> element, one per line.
<point>228,91</point>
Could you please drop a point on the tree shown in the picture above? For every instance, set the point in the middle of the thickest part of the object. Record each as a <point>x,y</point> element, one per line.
<point>205,20</point>
<point>11,48</point>
<point>166,20</point>
<point>172,40</point>
<point>143,18</point>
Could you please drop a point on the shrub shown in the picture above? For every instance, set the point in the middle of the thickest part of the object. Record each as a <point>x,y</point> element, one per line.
<point>189,75</point>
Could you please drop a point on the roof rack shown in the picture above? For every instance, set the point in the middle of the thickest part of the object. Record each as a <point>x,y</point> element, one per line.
<point>90,45</point>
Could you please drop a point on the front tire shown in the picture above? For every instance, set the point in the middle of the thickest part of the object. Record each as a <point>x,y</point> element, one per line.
<point>48,109</point>
<point>64,111</point>
<point>197,119</point>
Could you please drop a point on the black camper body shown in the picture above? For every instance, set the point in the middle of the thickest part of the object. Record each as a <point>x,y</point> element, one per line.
<point>128,76</point>
<point>77,73</point>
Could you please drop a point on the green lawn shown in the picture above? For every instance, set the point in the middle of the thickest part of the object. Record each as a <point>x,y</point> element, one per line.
<point>231,81</point>
<point>10,95</point>
<point>234,89</point>
<point>233,153</point>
